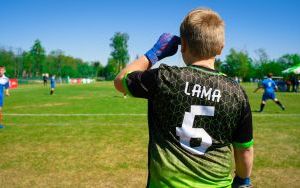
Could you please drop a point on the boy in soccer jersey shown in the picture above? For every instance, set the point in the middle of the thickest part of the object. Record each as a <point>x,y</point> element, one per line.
<point>52,84</point>
<point>270,87</point>
<point>195,113</point>
<point>4,85</point>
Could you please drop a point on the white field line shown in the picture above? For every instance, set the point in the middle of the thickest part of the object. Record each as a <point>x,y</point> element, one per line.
<point>122,114</point>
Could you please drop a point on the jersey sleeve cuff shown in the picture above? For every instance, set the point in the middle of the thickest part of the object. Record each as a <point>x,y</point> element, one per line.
<point>243,145</point>
<point>124,83</point>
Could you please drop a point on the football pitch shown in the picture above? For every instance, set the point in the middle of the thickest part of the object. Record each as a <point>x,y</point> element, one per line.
<point>90,136</point>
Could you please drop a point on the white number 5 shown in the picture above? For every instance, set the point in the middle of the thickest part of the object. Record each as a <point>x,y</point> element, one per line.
<point>186,131</point>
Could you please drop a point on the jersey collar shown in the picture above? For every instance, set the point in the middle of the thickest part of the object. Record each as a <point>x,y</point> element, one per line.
<point>207,70</point>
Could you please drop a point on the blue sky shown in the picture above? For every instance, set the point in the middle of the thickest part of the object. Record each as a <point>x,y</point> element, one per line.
<point>83,28</point>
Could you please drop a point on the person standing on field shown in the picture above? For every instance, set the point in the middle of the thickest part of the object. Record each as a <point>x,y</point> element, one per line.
<point>195,113</point>
<point>295,83</point>
<point>4,88</point>
<point>52,84</point>
<point>269,87</point>
<point>45,78</point>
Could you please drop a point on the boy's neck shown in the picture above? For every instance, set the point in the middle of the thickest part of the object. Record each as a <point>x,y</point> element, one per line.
<point>208,63</point>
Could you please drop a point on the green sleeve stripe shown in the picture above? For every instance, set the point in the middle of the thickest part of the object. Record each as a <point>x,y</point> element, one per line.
<point>124,83</point>
<point>243,145</point>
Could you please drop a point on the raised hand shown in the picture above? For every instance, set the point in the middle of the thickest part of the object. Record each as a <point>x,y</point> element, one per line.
<point>167,45</point>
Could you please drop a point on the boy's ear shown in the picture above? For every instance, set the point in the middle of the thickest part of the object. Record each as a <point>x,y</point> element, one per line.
<point>221,50</point>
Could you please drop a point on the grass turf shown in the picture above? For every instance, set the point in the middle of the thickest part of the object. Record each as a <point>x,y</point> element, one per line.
<point>106,150</point>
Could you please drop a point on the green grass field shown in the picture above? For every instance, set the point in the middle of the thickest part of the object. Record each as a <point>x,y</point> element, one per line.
<point>89,142</point>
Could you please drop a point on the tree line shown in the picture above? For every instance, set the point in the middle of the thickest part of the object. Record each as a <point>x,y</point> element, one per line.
<point>240,64</point>
<point>35,62</point>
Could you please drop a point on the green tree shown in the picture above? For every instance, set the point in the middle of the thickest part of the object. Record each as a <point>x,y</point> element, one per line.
<point>18,69</point>
<point>7,59</point>
<point>218,64</point>
<point>111,69</point>
<point>262,56</point>
<point>27,64</point>
<point>20,63</point>
<point>68,71</point>
<point>237,64</point>
<point>55,65</point>
<point>98,68</point>
<point>70,66</point>
<point>271,67</point>
<point>263,65</point>
<point>289,60</point>
<point>260,63</point>
<point>37,53</point>
<point>120,51</point>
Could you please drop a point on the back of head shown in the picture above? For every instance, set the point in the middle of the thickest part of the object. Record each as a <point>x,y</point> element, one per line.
<point>203,30</point>
<point>270,75</point>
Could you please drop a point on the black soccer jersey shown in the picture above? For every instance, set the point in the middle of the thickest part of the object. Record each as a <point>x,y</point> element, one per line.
<point>194,115</point>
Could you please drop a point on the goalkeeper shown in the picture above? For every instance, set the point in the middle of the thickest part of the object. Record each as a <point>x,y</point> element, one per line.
<point>195,113</point>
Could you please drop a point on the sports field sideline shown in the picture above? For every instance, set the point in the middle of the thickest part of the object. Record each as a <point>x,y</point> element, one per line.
<point>90,136</point>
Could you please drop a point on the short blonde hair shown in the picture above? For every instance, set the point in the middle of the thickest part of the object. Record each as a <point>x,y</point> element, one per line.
<point>203,30</point>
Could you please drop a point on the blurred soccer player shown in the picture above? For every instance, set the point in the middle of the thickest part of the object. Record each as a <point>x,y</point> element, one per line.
<point>195,113</point>
<point>45,79</point>
<point>4,85</point>
<point>270,87</point>
<point>52,84</point>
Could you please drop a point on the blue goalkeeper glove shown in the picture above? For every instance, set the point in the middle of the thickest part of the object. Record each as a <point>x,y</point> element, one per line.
<point>167,45</point>
<point>241,182</point>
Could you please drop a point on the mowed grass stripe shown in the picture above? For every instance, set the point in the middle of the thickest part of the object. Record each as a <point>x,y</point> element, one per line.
<point>254,114</point>
<point>72,124</point>
<point>75,115</point>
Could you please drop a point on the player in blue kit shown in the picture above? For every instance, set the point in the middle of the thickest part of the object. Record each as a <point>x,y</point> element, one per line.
<point>4,85</point>
<point>270,87</point>
<point>52,84</point>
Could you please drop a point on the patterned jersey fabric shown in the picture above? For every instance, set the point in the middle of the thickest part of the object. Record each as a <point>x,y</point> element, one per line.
<point>195,114</point>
